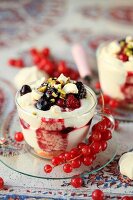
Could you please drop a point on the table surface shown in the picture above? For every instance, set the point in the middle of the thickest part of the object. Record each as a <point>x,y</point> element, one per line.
<point>58,24</point>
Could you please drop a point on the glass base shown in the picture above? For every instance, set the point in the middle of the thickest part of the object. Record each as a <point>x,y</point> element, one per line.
<point>23,159</point>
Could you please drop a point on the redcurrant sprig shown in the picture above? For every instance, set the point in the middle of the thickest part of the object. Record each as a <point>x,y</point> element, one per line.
<point>84,153</point>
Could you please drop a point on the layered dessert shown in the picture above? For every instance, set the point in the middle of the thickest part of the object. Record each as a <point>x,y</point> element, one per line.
<point>115,66</point>
<point>55,114</point>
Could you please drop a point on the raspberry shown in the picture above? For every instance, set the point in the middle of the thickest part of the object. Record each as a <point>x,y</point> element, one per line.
<point>72,102</point>
<point>81,90</point>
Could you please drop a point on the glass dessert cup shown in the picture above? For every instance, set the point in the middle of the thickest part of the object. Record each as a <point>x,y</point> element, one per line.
<point>51,136</point>
<point>116,77</point>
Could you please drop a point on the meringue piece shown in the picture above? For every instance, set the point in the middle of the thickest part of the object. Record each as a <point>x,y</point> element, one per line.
<point>126,165</point>
<point>39,82</point>
<point>27,75</point>
<point>25,100</point>
<point>114,47</point>
<point>55,109</point>
<point>62,78</point>
<point>70,88</point>
<point>129,38</point>
<point>36,95</point>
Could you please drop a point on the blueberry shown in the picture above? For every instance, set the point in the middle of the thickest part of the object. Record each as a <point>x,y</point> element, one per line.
<point>42,104</point>
<point>25,89</point>
<point>48,93</point>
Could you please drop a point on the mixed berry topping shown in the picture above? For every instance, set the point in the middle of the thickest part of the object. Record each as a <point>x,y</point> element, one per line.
<point>60,91</point>
<point>123,48</point>
<point>25,89</point>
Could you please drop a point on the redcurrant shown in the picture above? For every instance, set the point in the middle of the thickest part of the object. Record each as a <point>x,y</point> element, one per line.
<point>96,147</point>
<point>97,195</point>
<point>76,182</point>
<point>19,137</point>
<point>47,168</point>
<point>76,163</point>
<point>87,160</point>
<point>86,150</point>
<point>96,136</point>
<point>56,161</point>
<point>67,168</point>
<point>106,134</point>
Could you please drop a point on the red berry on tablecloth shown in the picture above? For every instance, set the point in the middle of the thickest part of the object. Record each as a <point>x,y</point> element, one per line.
<point>19,136</point>
<point>67,168</point>
<point>19,63</point>
<point>86,150</point>
<point>68,156</point>
<point>46,52</point>
<point>76,163</point>
<point>97,195</point>
<point>33,51</point>
<point>87,160</point>
<point>48,168</point>
<point>12,62</point>
<point>76,182</point>
<point>56,161</point>
<point>1,183</point>
<point>62,68</point>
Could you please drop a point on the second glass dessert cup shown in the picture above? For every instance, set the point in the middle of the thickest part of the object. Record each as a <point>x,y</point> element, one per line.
<point>51,136</point>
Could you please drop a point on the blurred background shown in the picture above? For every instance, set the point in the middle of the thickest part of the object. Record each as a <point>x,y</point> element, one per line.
<point>58,24</point>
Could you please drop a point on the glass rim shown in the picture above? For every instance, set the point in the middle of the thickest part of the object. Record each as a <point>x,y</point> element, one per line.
<point>65,117</point>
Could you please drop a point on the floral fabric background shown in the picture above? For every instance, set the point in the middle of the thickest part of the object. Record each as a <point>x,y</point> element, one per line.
<point>58,24</point>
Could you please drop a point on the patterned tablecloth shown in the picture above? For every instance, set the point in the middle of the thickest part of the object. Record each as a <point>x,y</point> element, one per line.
<point>58,24</point>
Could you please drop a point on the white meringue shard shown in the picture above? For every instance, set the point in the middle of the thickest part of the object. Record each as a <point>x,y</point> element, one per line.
<point>126,165</point>
<point>114,47</point>
<point>70,88</point>
<point>129,38</point>
<point>55,110</point>
<point>62,78</point>
<point>25,100</point>
<point>36,95</point>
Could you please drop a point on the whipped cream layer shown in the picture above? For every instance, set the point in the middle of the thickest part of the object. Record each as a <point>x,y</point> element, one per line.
<point>75,118</point>
<point>112,71</point>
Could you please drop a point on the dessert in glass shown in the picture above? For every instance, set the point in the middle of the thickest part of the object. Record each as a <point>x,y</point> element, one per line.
<point>115,68</point>
<point>55,115</point>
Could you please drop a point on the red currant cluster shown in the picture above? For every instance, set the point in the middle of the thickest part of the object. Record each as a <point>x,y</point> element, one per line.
<point>44,61</point>
<point>19,63</point>
<point>84,153</point>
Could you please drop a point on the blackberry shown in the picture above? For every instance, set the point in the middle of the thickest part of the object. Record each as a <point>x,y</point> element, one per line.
<point>43,104</point>
<point>25,89</point>
<point>81,90</point>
